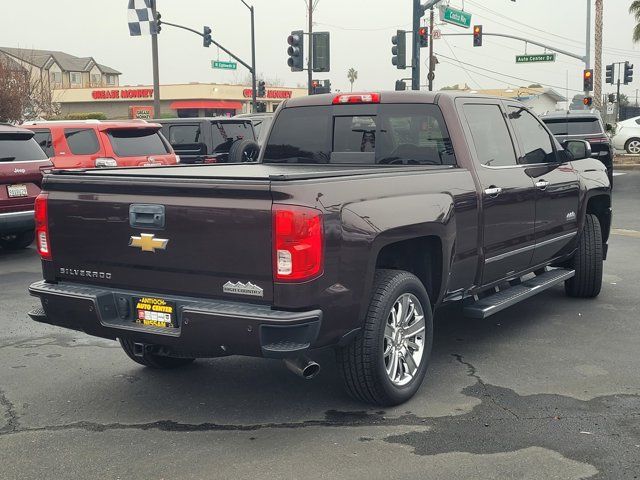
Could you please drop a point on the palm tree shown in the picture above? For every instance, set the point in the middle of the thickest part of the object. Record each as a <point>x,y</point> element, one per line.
<point>352,74</point>
<point>634,10</point>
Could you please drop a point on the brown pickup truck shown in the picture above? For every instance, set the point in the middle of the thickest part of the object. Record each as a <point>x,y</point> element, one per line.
<point>364,214</point>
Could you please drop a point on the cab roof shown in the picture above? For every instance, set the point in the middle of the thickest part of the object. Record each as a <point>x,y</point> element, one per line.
<point>5,128</point>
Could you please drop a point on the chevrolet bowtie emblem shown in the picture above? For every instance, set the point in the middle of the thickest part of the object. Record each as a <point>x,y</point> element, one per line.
<point>148,243</point>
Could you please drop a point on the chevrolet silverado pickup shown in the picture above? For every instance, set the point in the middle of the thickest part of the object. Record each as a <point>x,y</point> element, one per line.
<point>364,214</point>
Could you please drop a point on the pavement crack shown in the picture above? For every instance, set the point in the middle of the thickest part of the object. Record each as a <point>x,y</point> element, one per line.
<point>473,372</point>
<point>10,415</point>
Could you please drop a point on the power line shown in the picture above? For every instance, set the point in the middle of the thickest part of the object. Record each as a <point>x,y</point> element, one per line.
<point>456,57</point>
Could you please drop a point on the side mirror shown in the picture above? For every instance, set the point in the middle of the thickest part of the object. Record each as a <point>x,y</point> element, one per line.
<point>577,149</point>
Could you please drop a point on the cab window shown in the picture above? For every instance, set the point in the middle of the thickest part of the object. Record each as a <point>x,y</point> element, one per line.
<point>534,139</point>
<point>490,135</point>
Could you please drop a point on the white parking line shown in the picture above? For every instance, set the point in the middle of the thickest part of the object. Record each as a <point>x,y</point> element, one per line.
<point>617,174</point>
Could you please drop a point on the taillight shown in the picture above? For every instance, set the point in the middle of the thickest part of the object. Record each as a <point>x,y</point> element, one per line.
<point>598,140</point>
<point>350,98</point>
<point>298,243</point>
<point>43,242</point>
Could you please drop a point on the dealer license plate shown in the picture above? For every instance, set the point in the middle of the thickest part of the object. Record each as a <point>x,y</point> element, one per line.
<point>155,312</point>
<point>17,191</point>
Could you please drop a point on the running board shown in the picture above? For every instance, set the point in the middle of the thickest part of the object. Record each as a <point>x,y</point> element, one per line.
<point>498,301</point>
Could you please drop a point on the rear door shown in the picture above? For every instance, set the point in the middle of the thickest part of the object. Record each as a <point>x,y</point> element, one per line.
<point>133,147</point>
<point>508,193</point>
<point>78,147</point>
<point>557,186</point>
<point>20,176</point>
<point>187,140</point>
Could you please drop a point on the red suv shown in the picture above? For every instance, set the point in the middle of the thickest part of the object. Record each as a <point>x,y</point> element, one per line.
<point>21,165</point>
<point>94,143</point>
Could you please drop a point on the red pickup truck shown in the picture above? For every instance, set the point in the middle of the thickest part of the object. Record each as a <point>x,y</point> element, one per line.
<point>365,214</point>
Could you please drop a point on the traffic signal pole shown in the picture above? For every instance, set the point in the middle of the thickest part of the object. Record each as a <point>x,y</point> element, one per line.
<point>254,98</point>
<point>309,62</point>
<point>432,73</point>
<point>418,11</point>
<point>156,68</point>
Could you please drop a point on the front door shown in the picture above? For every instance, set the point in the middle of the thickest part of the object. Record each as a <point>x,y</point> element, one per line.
<point>556,182</point>
<point>508,193</point>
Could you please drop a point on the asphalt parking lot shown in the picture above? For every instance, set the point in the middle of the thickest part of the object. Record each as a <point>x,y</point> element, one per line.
<point>549,389</point>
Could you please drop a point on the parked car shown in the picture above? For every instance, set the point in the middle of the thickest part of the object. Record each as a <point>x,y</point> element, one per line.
<point>583,125</point>
<point>261,123</point>
<point>212,140</point>
<point>365,213</point>
<point>95,143</point>
<point>627,137</point>
<point>21,164</point>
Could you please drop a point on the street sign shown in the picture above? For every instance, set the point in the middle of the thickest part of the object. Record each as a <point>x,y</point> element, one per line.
<point>224,65</point>
<point>456,17</point>
<point>610,108</point>
<point>437,34</point>
<point>543,57</point>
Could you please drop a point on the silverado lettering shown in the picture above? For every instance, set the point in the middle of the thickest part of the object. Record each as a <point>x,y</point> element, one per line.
<point>363,215</point>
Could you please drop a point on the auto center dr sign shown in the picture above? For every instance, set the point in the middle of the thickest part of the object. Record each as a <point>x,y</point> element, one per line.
<point>122,93</point>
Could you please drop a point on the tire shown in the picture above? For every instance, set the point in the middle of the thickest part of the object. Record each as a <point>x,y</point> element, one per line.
<point>587,262</point>
<point>363,363</point>
<point>244,151</point>
<point>152,360</point>
<point>632,146</point>
<point>17,241</point>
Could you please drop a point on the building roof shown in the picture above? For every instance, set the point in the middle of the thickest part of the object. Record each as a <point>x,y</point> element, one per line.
<point>10,63</point>
<point>66,61</point>
<point>519,93</point>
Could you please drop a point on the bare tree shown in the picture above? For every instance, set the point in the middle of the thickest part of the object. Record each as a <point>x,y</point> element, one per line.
<point>14,86</point>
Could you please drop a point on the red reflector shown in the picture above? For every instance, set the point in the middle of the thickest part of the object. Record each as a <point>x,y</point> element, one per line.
<point>43,243</point>
<point>298,236</point>
<point>598,140</point>
<point>356,98</point>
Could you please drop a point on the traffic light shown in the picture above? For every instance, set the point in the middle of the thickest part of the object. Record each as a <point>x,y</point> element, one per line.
<point>399,50</point>
<point>296,51</point>
<point>318,87</point>
<point>206,37</point>
<point>401,85</point>
<point>588,80</point>
<point>610,73</point>
<point>321,52</point>
<point>262,89</point>
<point>588,101</point>
<point>158,22</point>
<point>261,107</point>
<point>423,36</point>
<point>477,36</point>
<point>628,73</point>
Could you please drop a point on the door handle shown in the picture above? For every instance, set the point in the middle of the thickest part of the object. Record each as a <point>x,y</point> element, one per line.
<point>493,191</point>
<point>542,184</point>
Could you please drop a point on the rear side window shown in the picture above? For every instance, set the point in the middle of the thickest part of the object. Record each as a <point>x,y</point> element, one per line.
<point>534,139</point>
<point>137,142</point>
<point>184,134</point>
<point>43,137</point>
<point>389,135</point>
<point>19,148</point>
<point>490,135</point>
<point>225,133</point>
<point>574,126</point>
<point>82,141</point>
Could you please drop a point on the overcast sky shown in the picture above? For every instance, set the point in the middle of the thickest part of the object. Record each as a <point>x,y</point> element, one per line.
<point>361,38</point>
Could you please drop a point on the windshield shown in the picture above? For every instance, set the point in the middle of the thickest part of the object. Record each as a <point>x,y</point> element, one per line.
<point>387,134</point>
<point>574,126</point>
<point>137,142</point>
<point>20,148</point>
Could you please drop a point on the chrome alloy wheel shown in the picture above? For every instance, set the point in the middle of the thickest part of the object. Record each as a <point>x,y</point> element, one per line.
<point>633,147</point>
<point>404,339</point>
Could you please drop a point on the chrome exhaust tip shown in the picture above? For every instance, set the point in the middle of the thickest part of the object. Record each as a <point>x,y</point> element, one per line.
<point>303,367</point>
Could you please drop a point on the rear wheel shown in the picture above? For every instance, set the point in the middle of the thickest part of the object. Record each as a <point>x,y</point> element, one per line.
<point>244,151</point>
<point>17,241</point>
<point>633,146</point>
<point>153,360</point>
<point>386,363</point>
<point>587,262</point>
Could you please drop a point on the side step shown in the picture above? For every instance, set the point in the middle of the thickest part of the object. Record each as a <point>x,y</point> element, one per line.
<point>497,302</point>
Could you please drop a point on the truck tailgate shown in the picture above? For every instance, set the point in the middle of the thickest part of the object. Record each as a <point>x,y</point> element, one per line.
<point>215,233</point>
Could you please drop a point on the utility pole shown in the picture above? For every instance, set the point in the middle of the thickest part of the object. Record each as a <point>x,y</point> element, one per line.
<point>432,67</point>
<point>415,56</point>
<point>587,57</point>
<point>618,94</point>
<point>156,68</point>
<point>310,60</point>
<point>597,90</point>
